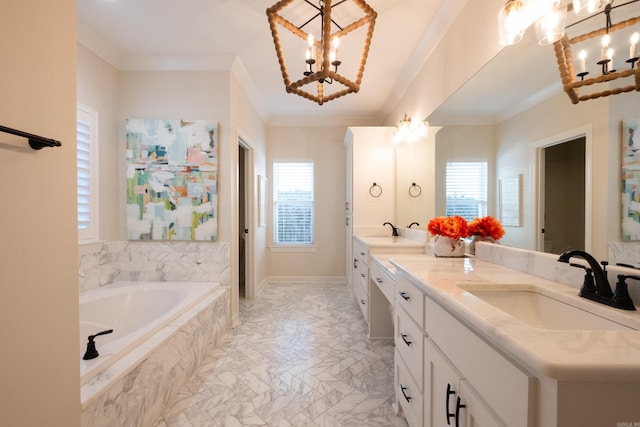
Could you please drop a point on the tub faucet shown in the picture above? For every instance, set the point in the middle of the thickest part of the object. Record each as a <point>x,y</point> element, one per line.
<point>91,352</point>
<point>601,292</point>
<point>394,233</point>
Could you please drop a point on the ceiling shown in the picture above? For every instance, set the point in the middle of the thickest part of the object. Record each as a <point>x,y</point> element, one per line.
<point>234,34</point>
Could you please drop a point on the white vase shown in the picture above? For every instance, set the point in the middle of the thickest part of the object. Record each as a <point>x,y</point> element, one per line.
<point>477,238</point>
<point>448,247</point>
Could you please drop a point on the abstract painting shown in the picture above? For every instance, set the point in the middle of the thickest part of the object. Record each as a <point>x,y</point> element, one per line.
<point>631,179</point>
<point>172,179</point>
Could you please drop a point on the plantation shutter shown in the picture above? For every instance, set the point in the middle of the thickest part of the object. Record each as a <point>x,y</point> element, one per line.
<point>293,189</point>
<point>83,132</point>
<point>466,189</point>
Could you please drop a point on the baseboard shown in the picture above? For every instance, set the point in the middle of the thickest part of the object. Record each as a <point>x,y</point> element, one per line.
<point>304,279</point>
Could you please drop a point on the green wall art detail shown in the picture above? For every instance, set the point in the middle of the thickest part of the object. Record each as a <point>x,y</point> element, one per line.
<point>172,179</point>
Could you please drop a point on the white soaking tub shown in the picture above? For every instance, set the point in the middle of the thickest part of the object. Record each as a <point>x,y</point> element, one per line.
<point>160,333</point>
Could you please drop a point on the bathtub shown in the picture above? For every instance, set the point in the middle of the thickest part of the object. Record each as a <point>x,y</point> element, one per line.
<point>152,322</point>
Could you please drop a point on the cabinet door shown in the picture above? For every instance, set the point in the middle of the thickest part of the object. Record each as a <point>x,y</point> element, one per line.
<point>441,381</point>
<point>476,413</point>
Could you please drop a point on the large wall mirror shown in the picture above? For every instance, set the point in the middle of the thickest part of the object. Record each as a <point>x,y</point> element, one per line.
<point>510,107</point>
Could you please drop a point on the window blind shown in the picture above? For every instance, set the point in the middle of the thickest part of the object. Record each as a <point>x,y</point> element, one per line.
<point>466,189</point>
<point>87,173</point>
<point>293,192</point>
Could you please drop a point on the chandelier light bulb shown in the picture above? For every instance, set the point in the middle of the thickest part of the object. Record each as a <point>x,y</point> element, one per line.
<point>583,56</point>
<point>605,45</point>
<point>634,43</point>
<point>550,27</point>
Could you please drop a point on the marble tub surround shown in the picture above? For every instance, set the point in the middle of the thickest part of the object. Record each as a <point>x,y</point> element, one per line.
<point>625,253</point>
<point>136,389</point>
<point>155,261</point>
<point>567,355</point>
<point>298,357</point>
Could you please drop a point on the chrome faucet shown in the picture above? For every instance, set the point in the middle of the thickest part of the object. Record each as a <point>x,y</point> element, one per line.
<point>596,287</point>
<point>394,233</point>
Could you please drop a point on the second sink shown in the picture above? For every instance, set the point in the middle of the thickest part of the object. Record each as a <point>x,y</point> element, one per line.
<point>542,311</point>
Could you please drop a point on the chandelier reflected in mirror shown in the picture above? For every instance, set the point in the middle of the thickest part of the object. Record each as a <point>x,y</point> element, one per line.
<point>322,29</point>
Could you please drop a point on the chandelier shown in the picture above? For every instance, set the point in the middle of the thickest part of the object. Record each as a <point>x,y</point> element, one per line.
<point>320,55</point>
<point>549,16</point>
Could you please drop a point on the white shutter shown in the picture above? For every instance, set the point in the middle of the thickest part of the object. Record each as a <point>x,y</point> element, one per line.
<point>466,189</point>
<point>87,170</point>
<point>293,193</point>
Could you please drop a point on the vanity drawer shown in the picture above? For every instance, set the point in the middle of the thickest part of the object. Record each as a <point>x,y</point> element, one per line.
<point>411,299</point>
<point>409,341</point>
<point>382,280</point>
<point>362,299</point>
<point>360,251</point>
<point>408,395</point>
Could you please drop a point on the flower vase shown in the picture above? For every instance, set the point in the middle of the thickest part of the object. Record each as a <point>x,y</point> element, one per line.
<point>478,238</point>
<point>448,247</point>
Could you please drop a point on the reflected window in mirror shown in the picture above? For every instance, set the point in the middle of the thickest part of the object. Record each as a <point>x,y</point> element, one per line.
<point>466,189</point>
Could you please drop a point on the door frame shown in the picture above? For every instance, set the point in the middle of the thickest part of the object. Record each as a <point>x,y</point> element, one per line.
<point>537,167</point>
<point>249,213</point>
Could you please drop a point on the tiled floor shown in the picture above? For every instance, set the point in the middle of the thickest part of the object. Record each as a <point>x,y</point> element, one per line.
<point>299,357</point>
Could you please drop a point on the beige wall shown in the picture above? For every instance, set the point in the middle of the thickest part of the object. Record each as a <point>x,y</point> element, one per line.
<point>98,86</point>
<point>38,248</point>
<point>325,146</point>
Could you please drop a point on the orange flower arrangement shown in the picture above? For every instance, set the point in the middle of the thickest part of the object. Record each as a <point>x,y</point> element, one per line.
<point>486,226</point>
<point>449,226</point>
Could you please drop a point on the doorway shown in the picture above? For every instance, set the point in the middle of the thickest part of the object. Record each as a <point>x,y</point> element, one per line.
<point>564,202</point>
<point>246,287</point>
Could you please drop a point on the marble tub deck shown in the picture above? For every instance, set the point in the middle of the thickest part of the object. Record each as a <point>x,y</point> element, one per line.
<point>299,357</point>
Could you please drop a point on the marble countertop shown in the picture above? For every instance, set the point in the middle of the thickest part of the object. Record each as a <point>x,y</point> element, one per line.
<point>389,241</point>
<point>584,355</point>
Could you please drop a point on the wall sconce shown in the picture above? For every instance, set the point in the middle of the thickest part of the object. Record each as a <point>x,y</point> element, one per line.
<point>409,131</point>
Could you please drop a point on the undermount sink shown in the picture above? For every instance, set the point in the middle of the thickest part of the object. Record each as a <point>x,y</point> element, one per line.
<point>543,311</point>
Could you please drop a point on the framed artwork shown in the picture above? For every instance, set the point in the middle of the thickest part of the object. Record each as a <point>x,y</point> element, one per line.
<point>510,200</point>
<point>262,201</point>
<point>172,179</point>
<point>630,179</point>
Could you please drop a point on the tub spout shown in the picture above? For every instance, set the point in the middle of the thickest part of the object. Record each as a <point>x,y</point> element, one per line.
<point>91,352</point>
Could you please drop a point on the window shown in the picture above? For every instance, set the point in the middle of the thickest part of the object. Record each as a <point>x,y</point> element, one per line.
<point>466,189</point>
<point>293,203</point>
<point>87,166</point>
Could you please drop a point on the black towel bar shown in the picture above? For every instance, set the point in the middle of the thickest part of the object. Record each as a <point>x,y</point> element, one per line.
<point>36,142</point>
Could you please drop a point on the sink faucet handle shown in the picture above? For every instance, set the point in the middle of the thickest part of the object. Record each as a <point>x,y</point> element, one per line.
<point>588,286</point>
<point>621,298</point>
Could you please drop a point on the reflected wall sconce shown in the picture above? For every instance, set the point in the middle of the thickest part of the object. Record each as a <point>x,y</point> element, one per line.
<point>322,45</point>
<point>409,131</point>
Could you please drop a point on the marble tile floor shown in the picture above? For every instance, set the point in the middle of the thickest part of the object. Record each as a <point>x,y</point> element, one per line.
<point>299,357</point>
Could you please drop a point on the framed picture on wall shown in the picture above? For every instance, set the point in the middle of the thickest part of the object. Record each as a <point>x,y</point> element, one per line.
<point>510,200</point>
<point>172,179</point>
<point>630,179</point>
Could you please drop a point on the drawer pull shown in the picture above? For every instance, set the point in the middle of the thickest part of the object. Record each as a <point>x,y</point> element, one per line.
<point>379,280</point>
<point>449,393</point>
<point>403,388</point>
<point>362,274</point>
<point>404,295</point>
<point>362,301</point>
<point>458,406</point>
<point>355,263</point>
<point>404,338</point>
<point>362,253</point>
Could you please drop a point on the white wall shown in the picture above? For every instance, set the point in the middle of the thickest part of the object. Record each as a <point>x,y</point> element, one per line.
<point>98,88</point>
<point>325,146</point>
<point>38,249</point>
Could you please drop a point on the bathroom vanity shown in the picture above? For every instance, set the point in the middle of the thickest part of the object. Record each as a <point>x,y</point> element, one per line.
<point>480,344</point>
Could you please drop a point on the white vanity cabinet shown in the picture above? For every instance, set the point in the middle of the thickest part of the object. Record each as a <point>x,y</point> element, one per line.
<point>360,276</point>
<point>409,341</point>
<point>508,390</point>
